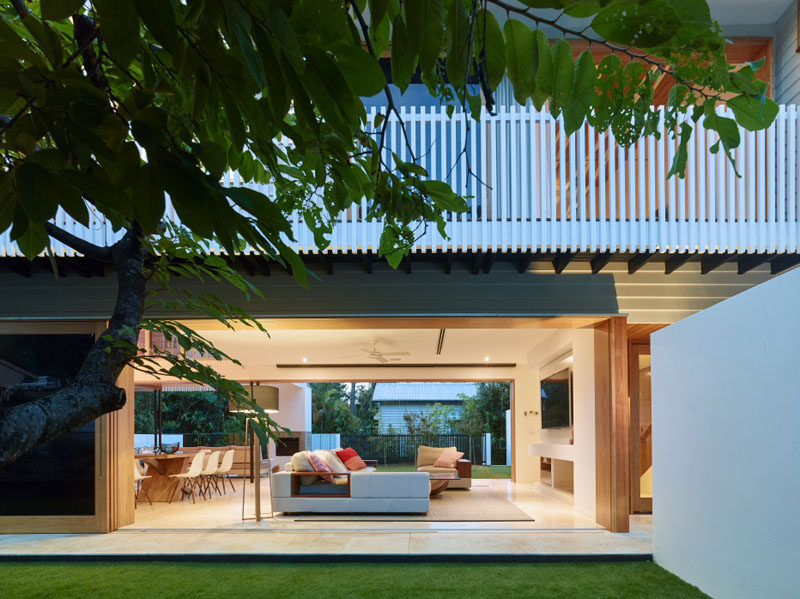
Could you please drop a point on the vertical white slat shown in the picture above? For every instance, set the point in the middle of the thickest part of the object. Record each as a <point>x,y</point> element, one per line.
<point>701,190</point>
<point>627,197</point>
<point>571,220</point>
<point>780,183</point>
<point>791,178</point>
<point>752,199</point>
<point>741,156</point>
<point>475,182</point>
<point>682,239</point>
<point>497,185</point>
<point>581,243</point>
<point>594,225</point>
<point>506,175</point>
<point>721,199</point>
<point>442,145</point>
<point>553,161</point>
<point>641,197</point>
<point>761,190</point>
<point>712,231</point>
<point>613,225</point>
<point>515,161</point>
<point>562,177</point>
<point>691,193</point>
<point>486,189</point>
<point>533,182</point>
<point>652,237</point>
<point>602,178</point>
<point>661,164</point>
<point>453,177</point>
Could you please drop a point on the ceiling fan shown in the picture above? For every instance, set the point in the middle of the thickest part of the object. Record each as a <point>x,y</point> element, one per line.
<point>373,354</point>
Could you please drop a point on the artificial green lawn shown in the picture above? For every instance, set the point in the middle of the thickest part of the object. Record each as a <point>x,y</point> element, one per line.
<point>477,471</point>
<point>131,580</point>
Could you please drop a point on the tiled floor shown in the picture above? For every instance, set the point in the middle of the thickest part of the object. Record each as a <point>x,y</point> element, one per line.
<point>215,527</point>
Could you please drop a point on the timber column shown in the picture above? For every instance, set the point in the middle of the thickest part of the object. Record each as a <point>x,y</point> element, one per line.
<point>612,424</point>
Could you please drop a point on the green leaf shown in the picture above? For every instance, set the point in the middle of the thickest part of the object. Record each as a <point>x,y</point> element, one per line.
<point>127,164</point>
<point>402,57</point>
<point>563,74</point>
<point>37,195</point>
<point>234,118</point>
<point>159,18</point>
<point>583,91</point>
<point>544,70</point>
<point>520,51</point>
<point>55,10</point>
<point>33,240</point>
<point>640,24</point>
<point>752,113</point>
<point>213,157</point>
<point>425,18</point>
<point>458,33</point>
<point>490,44</point>
<point>119,22</point>
<point>361,71</point>
<point>148,205</point>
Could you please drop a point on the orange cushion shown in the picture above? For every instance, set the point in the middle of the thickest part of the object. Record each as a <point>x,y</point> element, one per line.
<point>320,466</point>
<point>448,459</point>
<point>351,459</point>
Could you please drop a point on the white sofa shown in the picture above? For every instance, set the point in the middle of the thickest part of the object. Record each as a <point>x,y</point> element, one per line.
<point>355,492</point>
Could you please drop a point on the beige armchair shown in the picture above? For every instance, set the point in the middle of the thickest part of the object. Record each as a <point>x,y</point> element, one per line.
<point>427,456</point>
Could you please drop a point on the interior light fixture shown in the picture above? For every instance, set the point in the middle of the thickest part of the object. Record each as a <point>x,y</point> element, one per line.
<point>486,359</point>
<point>305,359</point>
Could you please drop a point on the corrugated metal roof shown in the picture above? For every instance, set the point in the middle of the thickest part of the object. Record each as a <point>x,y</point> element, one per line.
<point>427,392</point>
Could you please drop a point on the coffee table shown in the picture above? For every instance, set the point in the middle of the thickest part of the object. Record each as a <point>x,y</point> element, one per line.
<point>439,481</point>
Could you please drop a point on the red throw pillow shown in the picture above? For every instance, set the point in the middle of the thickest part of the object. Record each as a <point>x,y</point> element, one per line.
<point>351,459</point>
<point>320,466</point>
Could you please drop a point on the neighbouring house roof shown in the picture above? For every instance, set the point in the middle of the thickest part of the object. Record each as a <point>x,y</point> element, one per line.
<point>422,392</point>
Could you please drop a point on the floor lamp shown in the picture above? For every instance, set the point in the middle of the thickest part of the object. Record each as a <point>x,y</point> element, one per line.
<point>267,398</point>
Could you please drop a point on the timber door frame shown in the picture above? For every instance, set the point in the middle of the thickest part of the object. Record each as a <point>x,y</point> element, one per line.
<point>639,504</point>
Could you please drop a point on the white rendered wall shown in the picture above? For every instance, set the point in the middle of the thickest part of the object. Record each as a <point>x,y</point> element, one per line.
<point>726,441</point>
<point>294,413</point>
<point>581,343</point>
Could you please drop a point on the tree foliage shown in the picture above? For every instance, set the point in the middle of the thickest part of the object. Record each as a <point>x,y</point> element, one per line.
<point>128,110</point>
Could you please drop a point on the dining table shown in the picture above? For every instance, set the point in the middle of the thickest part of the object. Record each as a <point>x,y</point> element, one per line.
<point>161,486</point>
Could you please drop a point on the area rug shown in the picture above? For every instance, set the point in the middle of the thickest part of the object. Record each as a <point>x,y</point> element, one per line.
<point>481,504</point>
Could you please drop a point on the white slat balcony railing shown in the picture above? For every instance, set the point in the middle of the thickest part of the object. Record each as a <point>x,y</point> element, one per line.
<point>530,187</point>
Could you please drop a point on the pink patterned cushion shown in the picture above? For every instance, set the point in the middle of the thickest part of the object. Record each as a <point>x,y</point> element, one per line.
<point>320,466</point>
<point>448,459</point>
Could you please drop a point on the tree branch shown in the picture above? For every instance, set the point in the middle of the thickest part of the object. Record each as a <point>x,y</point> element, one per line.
<point>90,250</point>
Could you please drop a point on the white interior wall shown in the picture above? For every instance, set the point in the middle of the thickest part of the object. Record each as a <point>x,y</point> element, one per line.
<point>581,344</point>
<point>726,478</point>
<point>294,412</point>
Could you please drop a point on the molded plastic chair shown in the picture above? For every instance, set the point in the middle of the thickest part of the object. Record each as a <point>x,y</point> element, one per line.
<point>208,476</point>
<point>191,478</point>
<point>224,471</point>
<point>138,476</point>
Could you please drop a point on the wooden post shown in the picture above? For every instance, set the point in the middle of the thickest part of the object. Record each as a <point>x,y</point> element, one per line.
<point>612,424</point>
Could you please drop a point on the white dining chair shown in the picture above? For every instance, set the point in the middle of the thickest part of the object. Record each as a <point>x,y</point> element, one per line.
<point>224,470</point>
<point>191,478</point>
<point>208,475</point>
<point>139,474</point>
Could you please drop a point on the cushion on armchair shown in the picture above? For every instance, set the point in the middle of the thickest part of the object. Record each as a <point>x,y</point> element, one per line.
<point>448,458</point>
<point>426,455</point>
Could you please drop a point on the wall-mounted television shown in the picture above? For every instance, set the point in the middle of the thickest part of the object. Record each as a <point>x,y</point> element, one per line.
<point>557,399</point>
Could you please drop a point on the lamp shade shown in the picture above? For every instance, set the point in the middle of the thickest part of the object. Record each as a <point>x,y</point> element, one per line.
<point>265,396</point>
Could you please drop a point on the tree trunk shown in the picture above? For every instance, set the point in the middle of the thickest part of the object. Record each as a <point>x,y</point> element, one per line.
<point>94,391</point>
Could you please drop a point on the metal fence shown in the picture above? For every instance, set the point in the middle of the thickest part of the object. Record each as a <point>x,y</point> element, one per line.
<point>402,449</point>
